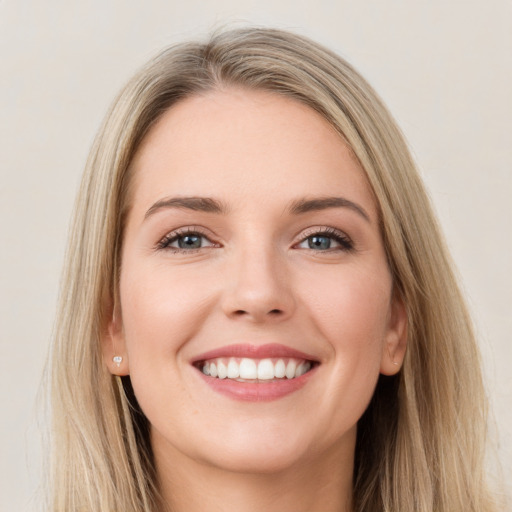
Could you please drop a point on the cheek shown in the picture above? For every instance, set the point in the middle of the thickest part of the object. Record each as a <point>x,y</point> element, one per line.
<point>161,309</point>
<point>353,316</point>
<point>161,312</point>
<point>352,299</point>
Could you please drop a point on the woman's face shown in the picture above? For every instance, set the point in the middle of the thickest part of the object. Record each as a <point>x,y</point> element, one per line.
<point>252,254</point>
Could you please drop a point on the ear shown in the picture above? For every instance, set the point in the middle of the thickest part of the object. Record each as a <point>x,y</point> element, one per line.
<point>113,345</point>
<point>395,343</point>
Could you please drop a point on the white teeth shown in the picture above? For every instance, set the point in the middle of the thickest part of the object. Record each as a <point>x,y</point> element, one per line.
<point>222,371</point>
<point>302,368</point>
<point>233,369</point>
<point>251,369</point>
<point>248,369</point>
<point>290,369</point>
<point>280,369</point>
<point>265,370</point>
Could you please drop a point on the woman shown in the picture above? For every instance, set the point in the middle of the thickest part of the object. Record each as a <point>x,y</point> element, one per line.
<point>258,311</point>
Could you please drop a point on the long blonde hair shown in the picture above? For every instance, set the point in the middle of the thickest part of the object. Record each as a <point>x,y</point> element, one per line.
<point>420,444</point>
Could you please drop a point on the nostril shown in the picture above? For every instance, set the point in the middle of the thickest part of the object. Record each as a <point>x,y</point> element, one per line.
<point>272,312</point>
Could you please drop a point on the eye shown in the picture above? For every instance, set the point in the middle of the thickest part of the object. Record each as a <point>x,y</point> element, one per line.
<point>327,239</point>
<point>185,241</point>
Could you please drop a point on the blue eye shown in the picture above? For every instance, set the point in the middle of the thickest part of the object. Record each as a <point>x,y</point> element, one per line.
<point>319,242</point>
<point>183,242</point>
<point>189,241</point>
<point>327,240</point>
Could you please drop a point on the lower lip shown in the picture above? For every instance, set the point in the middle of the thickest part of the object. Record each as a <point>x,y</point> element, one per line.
<point>257,391</point>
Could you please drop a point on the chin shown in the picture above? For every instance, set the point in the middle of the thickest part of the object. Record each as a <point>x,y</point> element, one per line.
<point>264,452</point>
<point>256,461</point>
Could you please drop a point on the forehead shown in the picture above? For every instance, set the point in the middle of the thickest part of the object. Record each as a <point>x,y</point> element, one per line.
<point>242,145</point>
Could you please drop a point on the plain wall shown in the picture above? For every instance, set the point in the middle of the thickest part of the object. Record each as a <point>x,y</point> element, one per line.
<point>444,68</point>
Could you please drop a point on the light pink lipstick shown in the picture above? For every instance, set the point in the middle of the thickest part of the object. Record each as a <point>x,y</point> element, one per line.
<point>265,388</point>
<point>270,350</point>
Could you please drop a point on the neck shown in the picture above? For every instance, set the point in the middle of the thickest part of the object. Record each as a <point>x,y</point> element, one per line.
<point>322,485</point>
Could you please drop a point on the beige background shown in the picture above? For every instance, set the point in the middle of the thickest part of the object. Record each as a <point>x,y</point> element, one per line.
<point>444,67</point>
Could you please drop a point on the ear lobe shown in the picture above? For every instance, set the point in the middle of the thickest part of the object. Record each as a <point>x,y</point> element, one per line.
<point>395,343</point>
<point>113,346</point>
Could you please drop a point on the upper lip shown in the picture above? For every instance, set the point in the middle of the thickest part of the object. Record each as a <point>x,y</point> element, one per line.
<point>269,350</point>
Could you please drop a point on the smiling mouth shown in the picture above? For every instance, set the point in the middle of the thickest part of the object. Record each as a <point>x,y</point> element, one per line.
<point>255,370</point>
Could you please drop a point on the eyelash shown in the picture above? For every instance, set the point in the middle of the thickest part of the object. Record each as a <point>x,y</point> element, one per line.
<point>167,240</point>
<point>338,236</point>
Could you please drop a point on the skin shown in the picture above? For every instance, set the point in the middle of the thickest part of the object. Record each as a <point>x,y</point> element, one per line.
<point>256,280</point>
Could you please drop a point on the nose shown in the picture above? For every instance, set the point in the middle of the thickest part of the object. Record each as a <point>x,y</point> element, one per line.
<point>258,287</point>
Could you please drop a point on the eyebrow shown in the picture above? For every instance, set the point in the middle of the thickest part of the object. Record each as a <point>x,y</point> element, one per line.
<point>198,204</point>
<point>210,205</point>
<point>323,203</point>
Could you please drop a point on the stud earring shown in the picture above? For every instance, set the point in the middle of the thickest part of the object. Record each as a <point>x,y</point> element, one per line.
<point>117,360</point>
